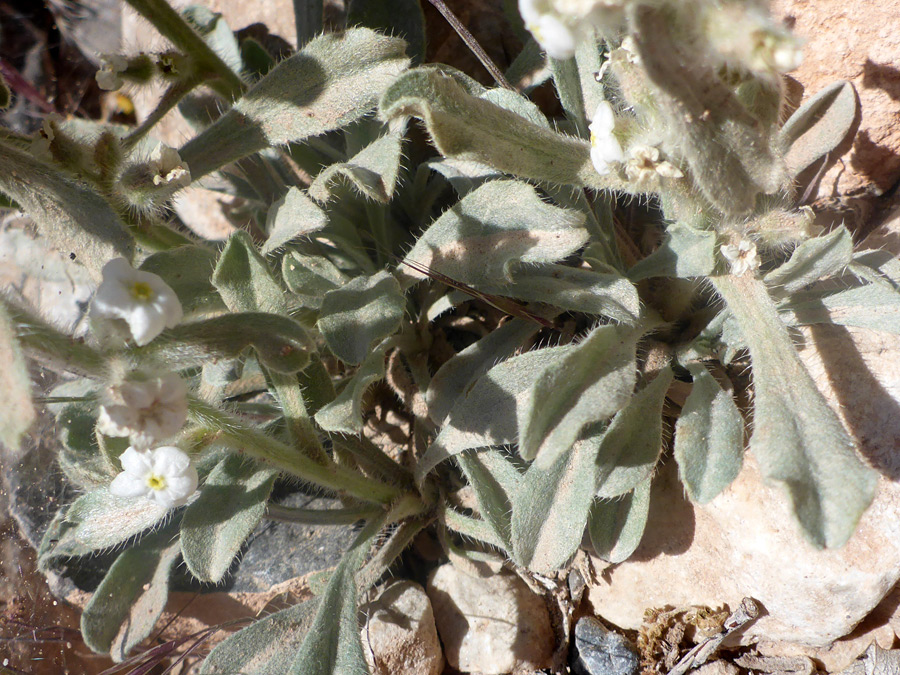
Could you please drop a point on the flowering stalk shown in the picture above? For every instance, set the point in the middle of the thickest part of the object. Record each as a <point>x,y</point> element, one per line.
<point>263,447</point>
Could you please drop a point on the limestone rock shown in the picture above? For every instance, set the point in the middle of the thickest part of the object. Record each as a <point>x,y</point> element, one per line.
<point>490,625</point>
<point>746,541</point>
<point>857,43</point>
<point>399,637</point>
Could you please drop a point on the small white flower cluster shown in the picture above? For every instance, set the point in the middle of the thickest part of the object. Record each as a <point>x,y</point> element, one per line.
<point>559,25</point>
<point>108,76</point>
<point>742,257</point>
<point>141,299</point>
<point>146,410</point>
<point>643,167</point>
<point>168,168</point>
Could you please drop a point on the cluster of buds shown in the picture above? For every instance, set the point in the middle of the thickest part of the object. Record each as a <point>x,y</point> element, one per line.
<point>116,69</point>
<point>147,410</point>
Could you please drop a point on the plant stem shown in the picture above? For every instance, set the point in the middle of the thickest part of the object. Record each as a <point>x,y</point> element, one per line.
<point>285,514</point>
<point>173,27</point>
<point>169,100</point>
<point>256,444</point>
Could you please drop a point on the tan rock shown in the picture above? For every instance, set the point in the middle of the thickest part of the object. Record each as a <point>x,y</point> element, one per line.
<point>491,624</point>
<point>746,541</point>
<point>859,42</point>
<point>399,637</point>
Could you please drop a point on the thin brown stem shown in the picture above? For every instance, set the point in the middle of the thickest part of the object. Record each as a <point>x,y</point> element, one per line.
<point>472,43</point>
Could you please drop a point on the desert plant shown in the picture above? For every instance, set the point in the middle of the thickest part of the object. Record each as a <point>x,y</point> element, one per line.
<point>519,328</point>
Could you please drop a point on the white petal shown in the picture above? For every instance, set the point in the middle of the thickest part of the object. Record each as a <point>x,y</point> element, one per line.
<point>555,37</point>
<point>170,461</point>
<point>145,323</point>
<point>529,11</point>
<point>730,252</point>
<point>604,120</point>
<point>669,170</point>
<point>126,485</point>
<point>135,463</point>
<point>107,80</point>
<point>116,420</point>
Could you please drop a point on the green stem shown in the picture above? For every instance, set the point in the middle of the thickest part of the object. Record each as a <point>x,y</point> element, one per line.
<point>173,27</point>
<point>293,407</point>
<point>56,350</point>
<point>372,459</point>
<point>286,514</point>
<point>568,88</point>
<point>260,446</point>
<point>396,544</point>
<point>169,100</point>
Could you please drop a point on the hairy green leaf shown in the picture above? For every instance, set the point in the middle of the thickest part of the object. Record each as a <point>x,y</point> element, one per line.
<point>685,252</point>
<point>495,482</point>
<point>872,306</point>
<point>798,440</point>
<point>709,438</point>
<point>124,609</point>
<point>630,447</point>
<point>310,277</point>
<point>344,414</point>
<point>813,259</point>
<point>361,312</point>
<point>333,81</point>
<point>465,126</point>
<point>500,224</point>
<point>550,508</point>
<point>486,414</point>
<point>617,526</point>
<point>590,384</point>
<point>819,126</point>
<point>293,216</point>
<point>232,501</point>
<point>73,218</point>
<point>187,269</point>
<point>243,279</point>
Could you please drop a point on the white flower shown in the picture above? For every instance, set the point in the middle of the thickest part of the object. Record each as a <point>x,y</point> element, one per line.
<point>140,299</point>
<point>548,28</point>
<point>605,149</point>
<point>108,76</point>
<point>168,168</point>
<point>166,475</point>
<point>147,411</point>
<point>40,145</point>
<point>643,166</point>
<point>742,257</point>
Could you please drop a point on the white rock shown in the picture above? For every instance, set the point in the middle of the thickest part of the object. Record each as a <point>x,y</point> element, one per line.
<point>399,637</point>
<point>746,541</point>
<point>490,625</point>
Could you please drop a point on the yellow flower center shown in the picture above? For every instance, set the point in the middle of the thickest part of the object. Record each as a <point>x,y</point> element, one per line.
<point>141,291</point>
<point>155,482</point>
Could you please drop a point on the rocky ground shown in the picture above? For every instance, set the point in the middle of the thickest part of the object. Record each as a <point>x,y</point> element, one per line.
<point>833,611</point>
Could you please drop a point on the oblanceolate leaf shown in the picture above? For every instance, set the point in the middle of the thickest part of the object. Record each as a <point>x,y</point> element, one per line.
<point>589,384</point>
<point>130,599</point>
<point>80,457</point>
<point>17,413</point>
<point>503,222</point>
<point>310,277</point>
<point>617,526</point>
<point>685,252</point>
<point>332,645</point>
<point>495,482</point>
<point>813,259</point>
<point>573,288</point>
<point>630,447</point>
<point>232,501</point>
<point>187,270</point>
<point>281,343</point>
<point>243,279</point>
<point>344,414</point>
<point>216,34</point>
<point>872,306</point>
<point>797,438</point>
<point>550,508</point>
<point>465,126</point>
<point>819,126</point>
<point>464,176</point>
<point>486,414</point>
<point>293,216</point>
<point>266,647</point>
<point>363,311</point>
<point>73,218</point>
<point>98,520</point>
<point>333,81</point>
<point>709,438</point>
<point>453,378</point>
<point>373,171</point>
